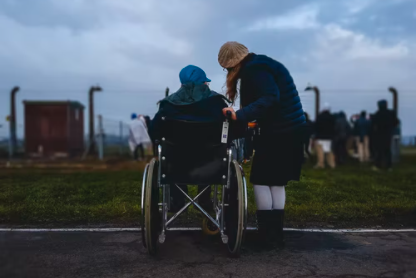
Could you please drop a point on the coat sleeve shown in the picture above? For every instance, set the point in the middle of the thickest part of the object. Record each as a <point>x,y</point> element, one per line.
<point>267,90</point>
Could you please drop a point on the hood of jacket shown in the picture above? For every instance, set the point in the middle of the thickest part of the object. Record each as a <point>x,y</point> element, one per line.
<point>190,93</point>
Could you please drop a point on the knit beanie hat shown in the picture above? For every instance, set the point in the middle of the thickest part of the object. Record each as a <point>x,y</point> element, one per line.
<point>231,53</point>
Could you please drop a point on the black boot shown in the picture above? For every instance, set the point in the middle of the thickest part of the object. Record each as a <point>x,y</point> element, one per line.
<point>276,227</point>
<point>264,229</point>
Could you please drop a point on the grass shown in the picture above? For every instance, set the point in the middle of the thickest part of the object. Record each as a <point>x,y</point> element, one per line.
<point>349,196</point>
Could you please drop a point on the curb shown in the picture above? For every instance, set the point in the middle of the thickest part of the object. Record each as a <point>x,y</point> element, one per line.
<point>29,230</point>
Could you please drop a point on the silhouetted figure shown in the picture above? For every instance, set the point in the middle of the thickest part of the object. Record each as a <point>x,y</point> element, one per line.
<point>138,137</point>
<point>395,146</point>
<point>342,132</point>
<point>362,129</point>
<point>324,134</point>
<point>383,122</point>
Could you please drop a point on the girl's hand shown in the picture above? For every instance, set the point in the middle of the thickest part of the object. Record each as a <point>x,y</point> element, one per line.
<point>233,115</point>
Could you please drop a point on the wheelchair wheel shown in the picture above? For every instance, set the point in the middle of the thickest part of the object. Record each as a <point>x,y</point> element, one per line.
<point>152,217</point>
<point>236,211</point>
<point>142,204</point>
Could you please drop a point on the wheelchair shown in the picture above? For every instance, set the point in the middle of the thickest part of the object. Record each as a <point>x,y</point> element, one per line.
<point>189,154</point>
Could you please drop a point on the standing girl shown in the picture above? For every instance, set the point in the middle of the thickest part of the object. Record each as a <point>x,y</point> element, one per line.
<point>269,96</point>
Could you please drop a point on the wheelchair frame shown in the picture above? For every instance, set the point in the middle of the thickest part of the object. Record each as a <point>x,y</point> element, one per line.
<point>234,171</point>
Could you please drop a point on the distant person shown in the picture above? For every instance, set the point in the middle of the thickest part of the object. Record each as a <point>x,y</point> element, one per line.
<point>395,146</point>
<point>342,132</point>
<point>352,147</point>
<point>362,129</point>
<point>324,134</point>
<point>372,139</point>
<point>384,122</point>
<point>308,134</point>
<point>194,101</point>
<point>138,137</point>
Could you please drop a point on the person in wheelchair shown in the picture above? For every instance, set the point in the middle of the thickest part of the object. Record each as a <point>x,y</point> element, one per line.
<point>195,102</point>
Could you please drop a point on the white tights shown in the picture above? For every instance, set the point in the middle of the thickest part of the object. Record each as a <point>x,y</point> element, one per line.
<point>269,197</point>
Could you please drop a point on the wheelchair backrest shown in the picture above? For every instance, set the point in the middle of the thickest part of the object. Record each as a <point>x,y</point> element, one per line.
<point>192,152</point>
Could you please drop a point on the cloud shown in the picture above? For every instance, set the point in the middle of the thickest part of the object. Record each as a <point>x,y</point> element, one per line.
<point>109,49</point>
<point>134,49</point>
<point>300,19</point>
<point>357,6</point>
<point>355,46</point>
<point>353,71</point>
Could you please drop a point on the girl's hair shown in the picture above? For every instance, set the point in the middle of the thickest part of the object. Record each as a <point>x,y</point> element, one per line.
<point>233,76</point>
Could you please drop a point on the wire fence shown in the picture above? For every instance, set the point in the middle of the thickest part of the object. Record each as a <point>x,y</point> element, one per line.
<point>111,141</point>
<point>112,135</point>
<point>115,138</point>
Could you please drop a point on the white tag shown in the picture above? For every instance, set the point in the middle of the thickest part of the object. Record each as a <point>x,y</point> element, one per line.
<point>224,135</point>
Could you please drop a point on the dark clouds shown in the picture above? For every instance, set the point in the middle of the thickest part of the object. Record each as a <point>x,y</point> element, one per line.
<point>134,49</point>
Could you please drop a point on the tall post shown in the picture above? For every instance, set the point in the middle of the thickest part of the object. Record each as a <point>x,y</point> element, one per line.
<point>167,92</point>
<point>13,137</point>
<point>100,138</point>
<point>395,147</point>
<point>317,99</point>
<point>121,137</point>
<point>395,100</point>
<point>91,117</point>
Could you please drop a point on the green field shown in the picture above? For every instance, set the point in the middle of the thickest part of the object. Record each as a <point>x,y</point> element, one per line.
<point>350,196</point>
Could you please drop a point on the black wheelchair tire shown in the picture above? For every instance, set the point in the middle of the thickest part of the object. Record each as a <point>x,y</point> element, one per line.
<point>151,209</point>
<point>145,173</point>
<point>236,212</point>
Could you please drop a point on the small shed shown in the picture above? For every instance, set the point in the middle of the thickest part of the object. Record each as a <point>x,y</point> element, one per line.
<point>54,128</point>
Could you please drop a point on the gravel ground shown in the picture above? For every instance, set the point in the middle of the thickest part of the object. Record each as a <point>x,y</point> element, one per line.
<point>190,254</point>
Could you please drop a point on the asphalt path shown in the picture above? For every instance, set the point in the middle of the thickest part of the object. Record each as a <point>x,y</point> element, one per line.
<point>190,254</point>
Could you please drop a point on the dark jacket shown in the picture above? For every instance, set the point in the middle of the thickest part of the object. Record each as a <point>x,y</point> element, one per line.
<point>362,128</point>
<point>269,95</point>
<point>342,127</point>
<point>190,103</point>
<point>325,126</point>
<point>384,120</point>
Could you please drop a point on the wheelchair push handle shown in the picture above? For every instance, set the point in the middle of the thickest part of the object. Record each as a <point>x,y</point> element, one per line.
<point>229,115</point>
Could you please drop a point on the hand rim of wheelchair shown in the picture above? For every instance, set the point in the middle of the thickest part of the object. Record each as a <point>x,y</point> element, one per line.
<point>142,204</point>
<point>151,231</point>
<point>151,224</point>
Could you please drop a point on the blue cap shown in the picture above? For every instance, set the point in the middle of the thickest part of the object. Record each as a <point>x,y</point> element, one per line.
<point>133,116</point>
<point>193,74</point>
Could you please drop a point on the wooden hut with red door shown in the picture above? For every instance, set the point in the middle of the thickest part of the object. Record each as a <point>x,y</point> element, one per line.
<point>54,128</point>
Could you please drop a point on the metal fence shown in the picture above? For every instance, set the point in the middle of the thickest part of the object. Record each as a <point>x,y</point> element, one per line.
<point>111,141</point>
<point>115,135</point>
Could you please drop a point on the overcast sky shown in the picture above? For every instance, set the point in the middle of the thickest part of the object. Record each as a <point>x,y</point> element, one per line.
<point>353,50</point>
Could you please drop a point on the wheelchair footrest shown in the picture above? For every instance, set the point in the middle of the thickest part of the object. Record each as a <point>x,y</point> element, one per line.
<point>162,238</point>
<point>224,238</point>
